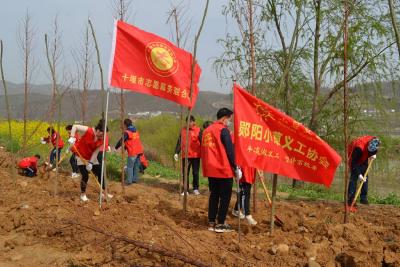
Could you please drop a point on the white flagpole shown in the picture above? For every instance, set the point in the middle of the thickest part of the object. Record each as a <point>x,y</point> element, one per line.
<point>104,148</point>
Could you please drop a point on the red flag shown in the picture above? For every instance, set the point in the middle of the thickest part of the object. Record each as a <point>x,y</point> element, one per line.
<point>269,140</point>
<point>146,63</point>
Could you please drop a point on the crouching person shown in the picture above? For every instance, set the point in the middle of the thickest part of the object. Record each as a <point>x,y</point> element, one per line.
<point>87,149</point>
<point>28,166</point>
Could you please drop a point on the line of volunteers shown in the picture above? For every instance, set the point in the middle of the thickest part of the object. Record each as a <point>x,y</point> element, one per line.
<point>212,146</point>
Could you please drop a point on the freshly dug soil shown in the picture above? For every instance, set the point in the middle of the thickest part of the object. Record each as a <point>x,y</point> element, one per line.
<point>38,228</point>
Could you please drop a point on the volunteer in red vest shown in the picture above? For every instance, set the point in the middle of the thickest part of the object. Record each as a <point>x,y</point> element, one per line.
<point>57,146</point>
<point>194,152</point>
<point>361,151</point>
<point>86,150</point>
<point>134,149</point>
<point>29,166</point>
<point>72,159</point>
<point>245,183</point>
<point>218,164</point>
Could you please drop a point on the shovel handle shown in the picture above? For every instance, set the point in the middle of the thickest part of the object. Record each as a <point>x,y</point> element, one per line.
<point>264,186</point>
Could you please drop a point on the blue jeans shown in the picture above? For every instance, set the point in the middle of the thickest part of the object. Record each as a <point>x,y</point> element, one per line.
<point>353,187</point>
<point>53,155</point>
<point>132,169</point>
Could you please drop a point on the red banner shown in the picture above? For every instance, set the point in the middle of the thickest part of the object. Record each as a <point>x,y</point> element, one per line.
<point>146,63</point>
<point>269,140</point>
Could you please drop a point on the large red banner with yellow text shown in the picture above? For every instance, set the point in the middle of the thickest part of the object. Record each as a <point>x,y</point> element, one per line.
<point>146,63</point>
<point>269,140</point>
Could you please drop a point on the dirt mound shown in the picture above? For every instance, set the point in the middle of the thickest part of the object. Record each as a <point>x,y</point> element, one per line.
<point>40,229</point>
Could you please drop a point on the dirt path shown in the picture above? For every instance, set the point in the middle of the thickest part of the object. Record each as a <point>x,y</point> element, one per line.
<point>38,229</point>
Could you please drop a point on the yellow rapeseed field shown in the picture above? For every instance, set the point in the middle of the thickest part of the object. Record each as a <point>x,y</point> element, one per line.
<point>35,130</point>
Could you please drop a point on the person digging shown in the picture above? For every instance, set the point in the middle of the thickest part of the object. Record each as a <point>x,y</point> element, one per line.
<point>361,151</point>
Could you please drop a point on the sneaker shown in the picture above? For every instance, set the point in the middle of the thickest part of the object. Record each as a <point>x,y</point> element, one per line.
<point>236,214</point>
<point>364,201</point>
<point>211,226</point>
<point>182,194</point>
<point>74,175</point>
<point>108,196</point>
<point>250,220</point>
<point>223,228</point>
<point>196,192</point>
<point>84,198</point>
<point>55,169</point>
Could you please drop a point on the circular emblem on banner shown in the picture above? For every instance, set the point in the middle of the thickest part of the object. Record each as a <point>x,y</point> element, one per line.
<point>161,59</point>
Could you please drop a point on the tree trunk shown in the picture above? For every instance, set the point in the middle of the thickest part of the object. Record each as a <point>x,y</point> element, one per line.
<point>317,82</point>
<point>394,24</point>
<point>345,110</point>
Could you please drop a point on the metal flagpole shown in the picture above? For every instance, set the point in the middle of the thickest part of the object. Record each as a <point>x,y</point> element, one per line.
<point>104,148</point>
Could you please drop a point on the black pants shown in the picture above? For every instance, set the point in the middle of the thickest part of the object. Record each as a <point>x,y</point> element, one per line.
<point>244,198</point>
<point>74,163</point>
<point>220,196</point>
<point>194,163</point>
<point>353,187</point>
<point>85,176</point>
<point>28,172</point>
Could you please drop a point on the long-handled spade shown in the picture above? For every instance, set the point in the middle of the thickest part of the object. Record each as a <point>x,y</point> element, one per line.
<point>277,221</point>
<point>361,185</point>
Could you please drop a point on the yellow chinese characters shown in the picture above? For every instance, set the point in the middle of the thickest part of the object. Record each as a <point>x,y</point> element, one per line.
<point>208,140</point>
<point>155,84</point>
<point>257,132</point>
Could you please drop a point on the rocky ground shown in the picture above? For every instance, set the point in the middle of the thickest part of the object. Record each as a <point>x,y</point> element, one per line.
<point>145,226</point>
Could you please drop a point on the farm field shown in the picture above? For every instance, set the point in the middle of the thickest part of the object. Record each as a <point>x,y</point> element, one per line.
<point>39,229</point>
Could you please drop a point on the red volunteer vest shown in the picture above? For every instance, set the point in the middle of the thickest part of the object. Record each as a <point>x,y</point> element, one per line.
<point>86,145</point>
<point>194,150</point>
<point>362,143</point>
<point>132,144</point>
<point>53,140</point>
<point>249,175</point>
<point>30,162</point>
<point>101,147</point>
<point>213,154</point>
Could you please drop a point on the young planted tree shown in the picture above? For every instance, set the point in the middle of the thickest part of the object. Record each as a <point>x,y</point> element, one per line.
<point>195,45</point>
<point>180,34</point>
<point>83,60</point>
<point>12,168</point>
<point>121,10</point>
<point>395,25</point>
<point>25,40</point>
<point>53,56</point>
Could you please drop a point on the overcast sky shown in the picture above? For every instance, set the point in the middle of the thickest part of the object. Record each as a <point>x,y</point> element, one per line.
<point>150,15</point>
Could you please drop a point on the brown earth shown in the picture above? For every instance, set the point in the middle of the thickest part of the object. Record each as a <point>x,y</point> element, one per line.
<point>40,229</point>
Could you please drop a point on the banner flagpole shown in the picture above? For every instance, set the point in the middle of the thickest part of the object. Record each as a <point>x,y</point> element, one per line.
<point>104,150</point>
<point>237,180</point>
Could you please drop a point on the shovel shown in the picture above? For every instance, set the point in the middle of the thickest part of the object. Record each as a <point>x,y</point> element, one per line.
<point>277,221</point>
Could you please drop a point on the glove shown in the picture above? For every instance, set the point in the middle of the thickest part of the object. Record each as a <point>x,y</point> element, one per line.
<point>72,140</point>
<point>238,173</point>
<point>89,166</point>
<point>176,157</point>
<point>42,141</point>
<point>373,157</point>
<point>362,178</point>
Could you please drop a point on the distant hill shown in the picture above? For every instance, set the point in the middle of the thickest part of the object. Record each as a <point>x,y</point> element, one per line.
<point>40,97</point>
